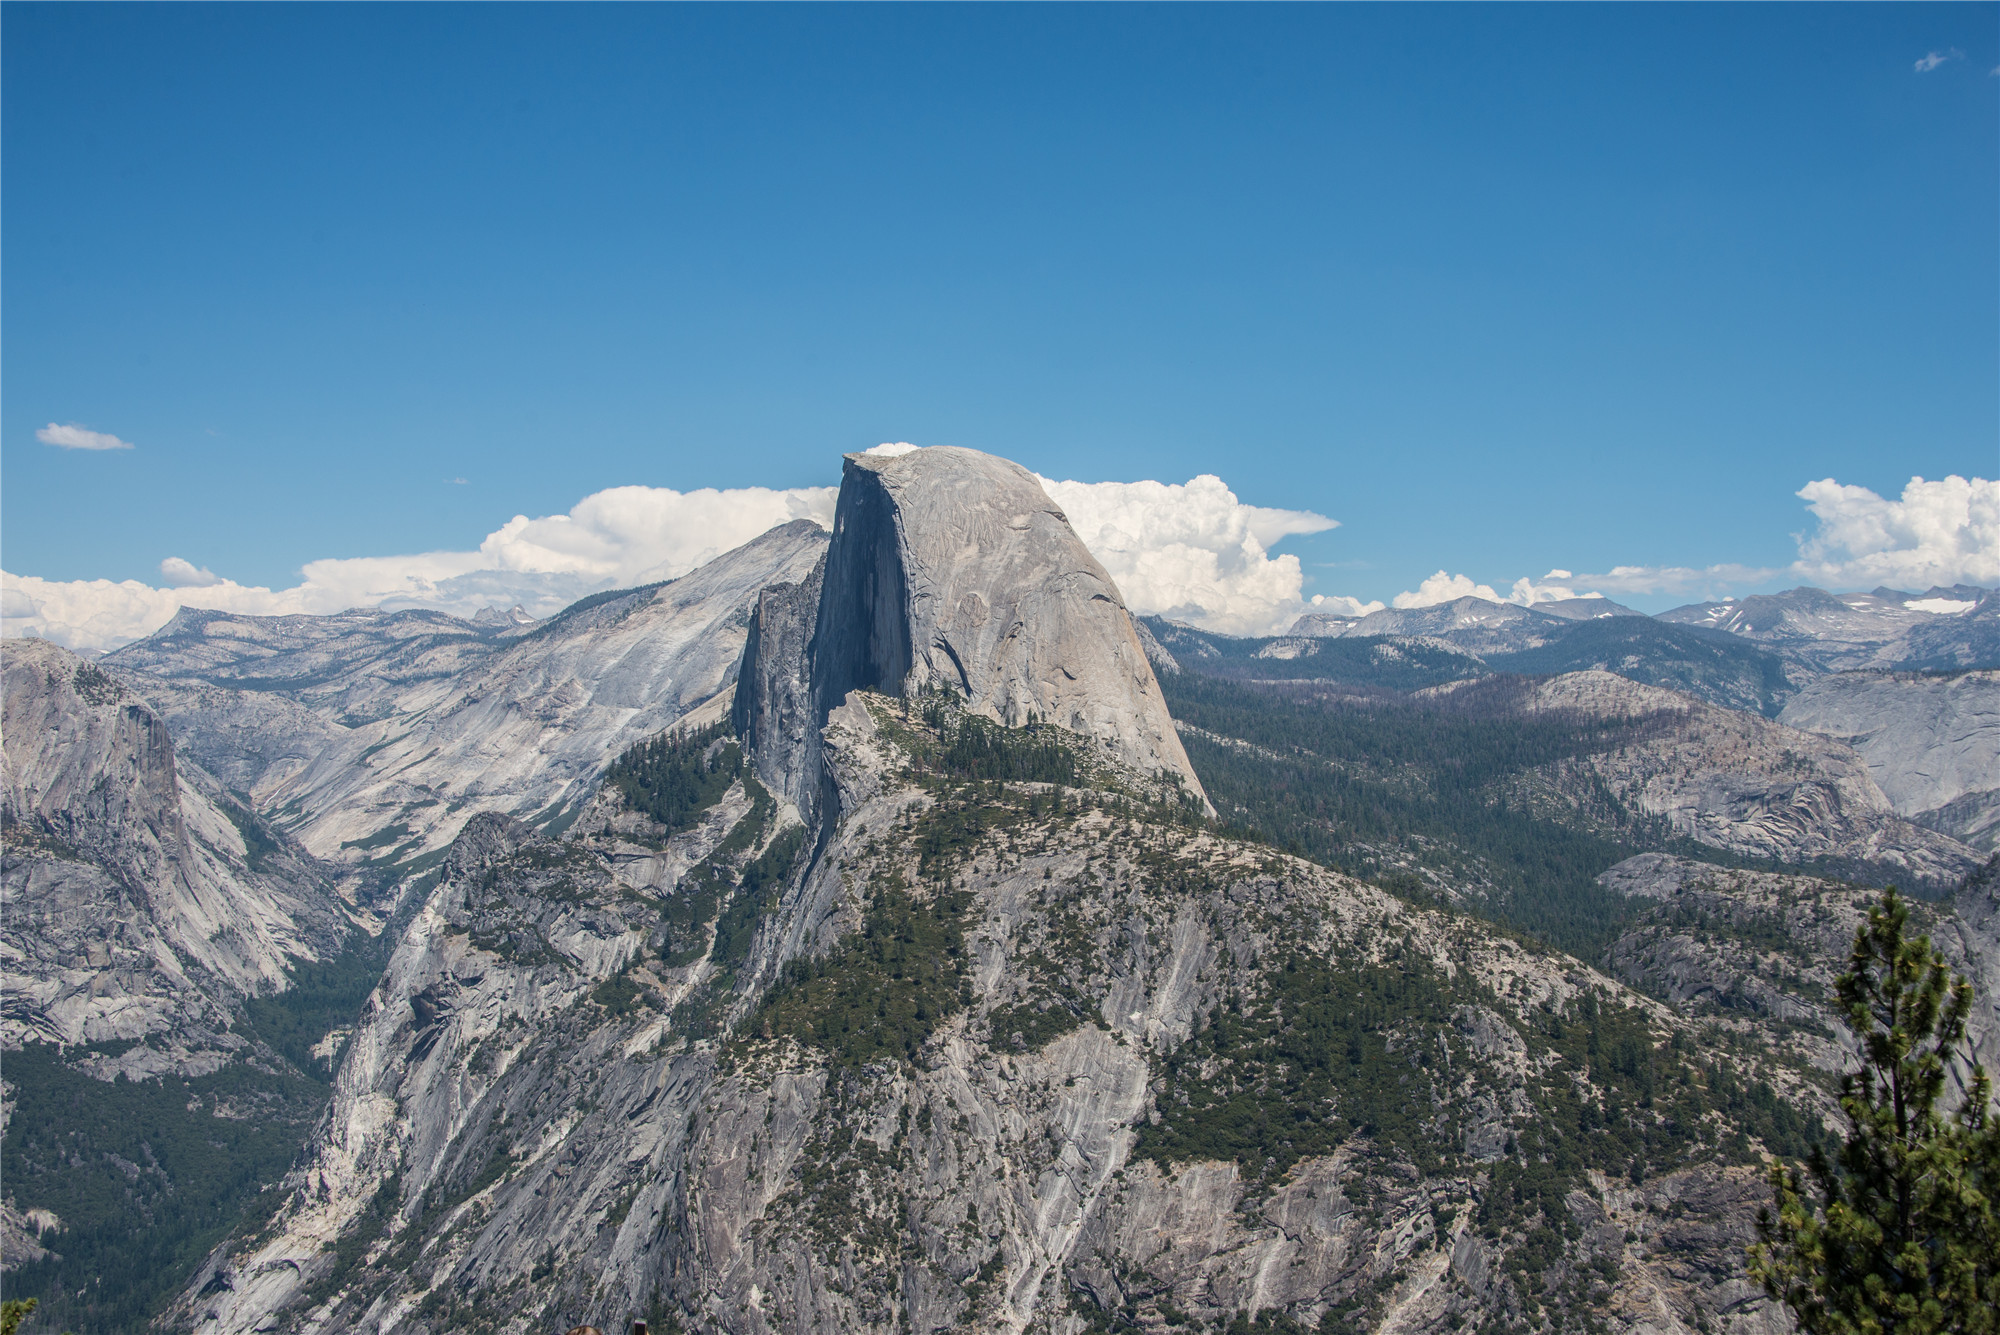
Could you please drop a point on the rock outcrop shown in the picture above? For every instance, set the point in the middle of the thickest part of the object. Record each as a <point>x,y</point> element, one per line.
<point>1741,948</point>
<point>952,570</point>
<point>144,902</point>
<point>1931,742</point>
<point>935,1003</point>
<point>1738,782</point>
<point>1052,1067</point>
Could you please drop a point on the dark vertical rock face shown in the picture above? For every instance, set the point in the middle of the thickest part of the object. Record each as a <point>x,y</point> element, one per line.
<point>862,639</point>
<point>953,569</point>
<point>774,699</point>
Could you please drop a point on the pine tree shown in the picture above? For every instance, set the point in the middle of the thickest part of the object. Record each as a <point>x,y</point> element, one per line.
<point>1896,1232</point>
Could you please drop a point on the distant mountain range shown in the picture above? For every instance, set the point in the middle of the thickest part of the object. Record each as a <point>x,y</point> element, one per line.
<point>1938,629</point>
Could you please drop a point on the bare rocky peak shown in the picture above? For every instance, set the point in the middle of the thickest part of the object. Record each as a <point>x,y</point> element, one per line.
<point>143,901</point>
<point>951,569</point>
<point>1479,625</point>
<point>1586,609</point>
<point>1461,615</point>
<point>1958,626</point>
<point>492,618</point>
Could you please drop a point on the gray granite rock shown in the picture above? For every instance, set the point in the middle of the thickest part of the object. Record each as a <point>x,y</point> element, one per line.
<point>951,569</point>
<point>404,741</point>
<point>136,908</point>
<point>1930,740</point>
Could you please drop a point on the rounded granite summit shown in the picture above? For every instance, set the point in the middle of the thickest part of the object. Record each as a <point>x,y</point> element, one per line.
<point>953,568</point>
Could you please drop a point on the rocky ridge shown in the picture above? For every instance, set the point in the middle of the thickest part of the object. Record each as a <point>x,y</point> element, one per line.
<point>1476,625</point>
<point>1741,783</point>
<point>145,902</point>
<point>382,768</point>
<point>1941,628</point>
<point>1010,1094</point>
<point>943,1006</point>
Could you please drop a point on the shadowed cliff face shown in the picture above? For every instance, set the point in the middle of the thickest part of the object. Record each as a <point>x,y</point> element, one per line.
<point>951,569</point>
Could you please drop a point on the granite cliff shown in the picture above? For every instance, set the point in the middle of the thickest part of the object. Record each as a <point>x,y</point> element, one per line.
<point>378,755</point>
<point>1931,741</point>
<point>952,570</point>
<point>1045,1057</point>
<point>145,901</point>
<point>838,939</point>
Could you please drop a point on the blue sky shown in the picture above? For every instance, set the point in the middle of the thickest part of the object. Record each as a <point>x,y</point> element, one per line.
<point>1499,288</point>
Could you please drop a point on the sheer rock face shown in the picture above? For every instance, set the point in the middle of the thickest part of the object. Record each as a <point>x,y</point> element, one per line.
<point>953,569</point>
<point>1932,742</point>
<point>774,700</point>
<point>136,907</point>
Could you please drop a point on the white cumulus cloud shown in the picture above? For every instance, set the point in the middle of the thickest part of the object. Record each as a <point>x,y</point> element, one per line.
<point>1931,60</point>
<point>1703,581</point>
<point>1444,588</point>
<point>181,574</point>
<point>74,437</point>
<point>1342,605</point>
<point>1937,533</point>
<point>1528,592</point>
<point>1941,532</point>
<point>1191,550</point>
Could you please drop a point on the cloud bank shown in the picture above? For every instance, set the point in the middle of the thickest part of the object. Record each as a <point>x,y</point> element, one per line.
<point>610,539</point>
<point>1943,532</point>
<point>1937,533</point>
<point>74,437</point>
<point>1190,550</point>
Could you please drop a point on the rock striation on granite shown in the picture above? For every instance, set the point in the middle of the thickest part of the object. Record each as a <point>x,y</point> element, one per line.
<point>581,1091</point>
<point>144,902</point>
<point>515,1145</point>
